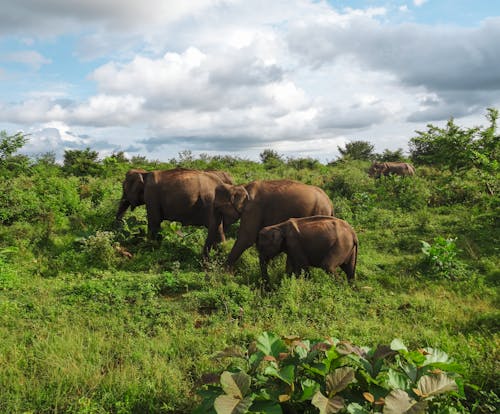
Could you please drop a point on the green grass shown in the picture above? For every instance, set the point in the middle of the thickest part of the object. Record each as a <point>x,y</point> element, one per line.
<point>87,330</point>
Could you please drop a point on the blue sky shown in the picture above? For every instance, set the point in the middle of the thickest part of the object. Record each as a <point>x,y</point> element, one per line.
<point>302,77</point>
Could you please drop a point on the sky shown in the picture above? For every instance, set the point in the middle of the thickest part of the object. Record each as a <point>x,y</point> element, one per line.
<point>235,77</point>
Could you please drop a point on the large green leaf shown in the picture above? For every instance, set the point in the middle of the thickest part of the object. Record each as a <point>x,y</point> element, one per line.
<point>286,374</point>
<point>399,402</point>
<point>397,380</point>
<point>339,380</point>
<point>271,344</point>
<point>327,405</point>
<point>309,388</point>
<point>398,345</point>
<point>226,404</point>
<point>235,384</point>
<point>436,384</point>
<point>435,355</point>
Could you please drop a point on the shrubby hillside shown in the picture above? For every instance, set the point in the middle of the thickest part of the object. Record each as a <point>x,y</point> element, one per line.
<point>96,318</point>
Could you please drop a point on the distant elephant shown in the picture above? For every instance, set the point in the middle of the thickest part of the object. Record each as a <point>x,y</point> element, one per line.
<point>318,241</point>
<point>263,203</point>
<point>385,168</point>
<point>182,195</point>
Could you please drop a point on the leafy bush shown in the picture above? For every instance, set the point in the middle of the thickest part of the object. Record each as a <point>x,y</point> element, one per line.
<point>100,249</point>
<point>289,374</point>
<point>348,179</point>
<point>408,193</point>
<point>29,199</point>
<point>441,257</point>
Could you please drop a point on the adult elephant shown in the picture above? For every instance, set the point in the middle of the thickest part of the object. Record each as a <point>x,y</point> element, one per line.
<point>264,203</point>
<point>182,195</point>
<point>318,241</point>
<point>385,168</point>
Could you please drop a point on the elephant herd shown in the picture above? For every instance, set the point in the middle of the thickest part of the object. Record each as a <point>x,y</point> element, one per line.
<point>276,215</point>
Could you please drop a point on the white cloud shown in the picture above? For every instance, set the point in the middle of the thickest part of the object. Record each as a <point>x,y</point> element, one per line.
<point>419,3</point>
<point>230,75</point>
<point>30,58</point>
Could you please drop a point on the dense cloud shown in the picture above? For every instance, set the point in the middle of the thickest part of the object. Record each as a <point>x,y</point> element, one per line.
<point>233,76</point>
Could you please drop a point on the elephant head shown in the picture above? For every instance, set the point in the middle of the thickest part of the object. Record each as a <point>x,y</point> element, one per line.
<point>230,200</point>
<point>376,169</point>
<point>133,191</point>
<point>270,242</point>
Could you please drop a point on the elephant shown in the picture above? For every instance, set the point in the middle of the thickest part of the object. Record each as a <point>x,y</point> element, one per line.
<point>180,194</point>
<point>318,241</point>
<point>263,203</point>
<point>385,168</point>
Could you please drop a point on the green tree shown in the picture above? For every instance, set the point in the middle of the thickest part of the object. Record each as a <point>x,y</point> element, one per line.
<point>10,162</point>
<point>448,147</point>
<point>391,156</point>
<point>357,150</point>
<point>271,158</point>
<point>81,162</point>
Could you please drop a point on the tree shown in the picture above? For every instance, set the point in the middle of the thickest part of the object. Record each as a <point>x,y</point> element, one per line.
<point>458,148</point>
<point>448,147</point>
<point>391,156</point>
<point>81,162</point>
<point>10,162</point>
<point>357,150</point>
<point>271,158</point>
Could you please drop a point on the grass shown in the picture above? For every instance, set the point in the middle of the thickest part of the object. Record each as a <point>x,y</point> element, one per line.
<point>87,330</point>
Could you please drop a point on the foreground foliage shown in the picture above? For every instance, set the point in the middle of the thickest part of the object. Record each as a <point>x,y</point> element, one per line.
<point>294,375</point>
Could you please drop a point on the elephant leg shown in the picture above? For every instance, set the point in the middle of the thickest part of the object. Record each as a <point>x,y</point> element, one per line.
<point>263,271</point>
<point>349,266</point>
<point>154,222</point>
<point>289,266</point>
<point>214,228</point>
<point>221,237</point>
<point>296,258</point>
<point>241,244</point>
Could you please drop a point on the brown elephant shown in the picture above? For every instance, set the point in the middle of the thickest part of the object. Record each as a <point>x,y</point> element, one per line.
<point>318,241</point>
<point>264,203</point>
<point>182,195</point>
<point>385,168</point>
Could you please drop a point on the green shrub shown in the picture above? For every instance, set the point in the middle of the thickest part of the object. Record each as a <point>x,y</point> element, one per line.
<point>291,374</point>
<point>441,257</point>
<point>407,193</point>
<point>100,249</point>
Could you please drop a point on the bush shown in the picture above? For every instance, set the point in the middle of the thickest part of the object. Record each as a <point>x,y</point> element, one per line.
<point>100,249</point>
<point>291,374</point>
<point>441,258</point>
<point>407,193</point>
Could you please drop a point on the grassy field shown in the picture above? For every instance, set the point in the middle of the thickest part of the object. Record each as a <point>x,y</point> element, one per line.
<point>86,329</point>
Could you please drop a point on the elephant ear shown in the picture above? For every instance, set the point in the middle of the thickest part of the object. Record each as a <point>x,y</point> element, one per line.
<point>276,235</point>
<point>135,188</point>
<point>239,197</point>
<point>222,194</point>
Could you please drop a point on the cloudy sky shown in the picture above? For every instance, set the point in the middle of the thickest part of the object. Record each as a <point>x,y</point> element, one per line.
<point>156,77</point>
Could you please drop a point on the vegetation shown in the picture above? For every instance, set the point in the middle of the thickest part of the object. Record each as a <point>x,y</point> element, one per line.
<point>95,318</point>
<point>302,376</point>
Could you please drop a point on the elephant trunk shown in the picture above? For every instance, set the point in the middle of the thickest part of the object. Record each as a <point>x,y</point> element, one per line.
<point>122,208</point>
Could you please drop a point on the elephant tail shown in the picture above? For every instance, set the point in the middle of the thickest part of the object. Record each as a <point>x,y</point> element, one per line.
<point>354,255</point>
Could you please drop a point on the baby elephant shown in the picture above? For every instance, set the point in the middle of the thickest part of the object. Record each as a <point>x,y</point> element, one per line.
<point>317,241</point>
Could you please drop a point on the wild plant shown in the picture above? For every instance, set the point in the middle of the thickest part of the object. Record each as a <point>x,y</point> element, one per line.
<point>295,375</point>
